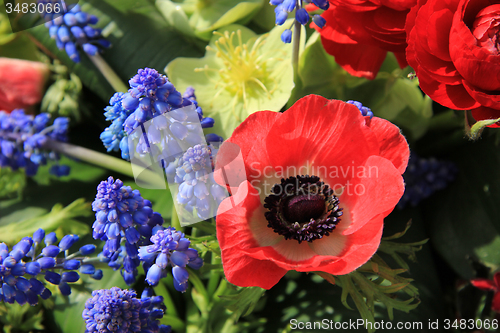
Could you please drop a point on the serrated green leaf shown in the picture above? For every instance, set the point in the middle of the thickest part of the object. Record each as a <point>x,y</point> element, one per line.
<point>243,302</point>
<point>475,131</point>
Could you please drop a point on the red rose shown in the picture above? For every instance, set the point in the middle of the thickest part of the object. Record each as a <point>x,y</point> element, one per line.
<point>488,285</point>
<point>453,46</point>
<point>360,32</point>
<point>22,83</point>
<point>334,176</point>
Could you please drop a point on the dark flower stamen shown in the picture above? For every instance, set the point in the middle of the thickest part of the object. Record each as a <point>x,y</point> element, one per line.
<point>302,208</point>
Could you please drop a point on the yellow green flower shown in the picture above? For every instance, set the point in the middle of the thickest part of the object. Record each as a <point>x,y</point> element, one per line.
<point>241,73</point>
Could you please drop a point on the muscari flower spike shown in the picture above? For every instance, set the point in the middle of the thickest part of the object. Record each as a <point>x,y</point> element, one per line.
<point>198,192</point>
<point>117,310</point>
<point>169,248</point>
<point>424,176</point>
<point>22,138</point>
<point>122,214</point>
<point>285,7</point>
<point>151,95</point>
<point>72,30</point>
<point>21,268</point>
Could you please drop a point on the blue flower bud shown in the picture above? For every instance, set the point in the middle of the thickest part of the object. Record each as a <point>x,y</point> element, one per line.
<point>71,264</point>
<point>46,293</point>
<point>97,274</point>
<point>51,251</point>
<point>179,258</point>
<point>51,238</point>
<point>38,235</point>
<point>153,275</point>
<point>36,286</point>
<point>65,289</point>
<point>33,268</point>
<point>23,284</point>
<point>286,36</point>
<point>68,241</point>
<point>180,274</point>
<point>18,270</point>
<point>90,49</point>
<point>70,276</point>
<point>46,262</point>
<point>87,269</point>
<point>87,249</point>
<point>323,4</point>
<point>319,21</point>
<point>52,277</point>
<point>302,16</point>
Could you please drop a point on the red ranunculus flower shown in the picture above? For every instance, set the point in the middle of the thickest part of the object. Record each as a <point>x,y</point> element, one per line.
<point>320,180</point>
<point>360,32</point>
<point>22,83</point>
<point>453,46</point>
<point>485,284</point>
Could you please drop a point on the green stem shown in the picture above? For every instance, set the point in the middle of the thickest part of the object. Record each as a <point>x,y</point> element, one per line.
<point>177,324</point>
<point>195,280</point>
<point>220,290</point>
<point>296,47</point>
<point>100,159</point>
<point>161,290</point>
<point>174,220</point>
<point>110,75</point>
<point>214,279</point>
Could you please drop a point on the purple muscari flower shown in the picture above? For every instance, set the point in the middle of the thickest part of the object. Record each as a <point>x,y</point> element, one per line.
<point>21,267</point>
<point>122,215</point>
<point>151,94</point>
<point>424,176</point>
<point>71,31</point>
<point>117,310</point>
<point>22,140</point>
<point>169,248</point>
<point>194,174</point>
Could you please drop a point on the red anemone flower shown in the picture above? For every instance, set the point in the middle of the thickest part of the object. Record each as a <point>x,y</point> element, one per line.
<point>320,179</point>
<point>485,284</point>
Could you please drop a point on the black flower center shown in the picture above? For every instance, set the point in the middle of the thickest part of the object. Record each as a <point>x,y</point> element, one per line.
<point>302,208</point>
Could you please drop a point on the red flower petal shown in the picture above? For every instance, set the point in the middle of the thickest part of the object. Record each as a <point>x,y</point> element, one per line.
<point>495,303</point>
<point>483,113</point>
<point>393,145</point>
<point>381,177</point>
<point>234,235</point>
<point>321,144</point>
<point>483,284</point>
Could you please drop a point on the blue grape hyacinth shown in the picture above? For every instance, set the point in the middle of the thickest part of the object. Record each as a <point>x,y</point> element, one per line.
<point>73,30</point>
<point>122,214</point>
<point>198,192</point>
<point>22,140</point>
<point>423,177</point>
<point>27,262</point>
<point>150,95</point>
<point>169,248</point>
<point>117,310</point>
<point>285,7</point>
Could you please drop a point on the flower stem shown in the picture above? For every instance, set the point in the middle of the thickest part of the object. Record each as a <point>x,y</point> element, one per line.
<point>100,159</point>
<point>110,75</point>
<point>296,46</point>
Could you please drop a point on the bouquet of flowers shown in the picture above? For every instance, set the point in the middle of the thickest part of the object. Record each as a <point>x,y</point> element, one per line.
<point>249,166</point>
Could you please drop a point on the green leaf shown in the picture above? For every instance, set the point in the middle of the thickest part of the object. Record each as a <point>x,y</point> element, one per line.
<point>401,94</point>
<point>11,182</point>
<point>140,37</point>
<point>201,18</point>
<point>58,217</point>
<point>463,219</point>
<point>227,95</point>
<point>244,301</point>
